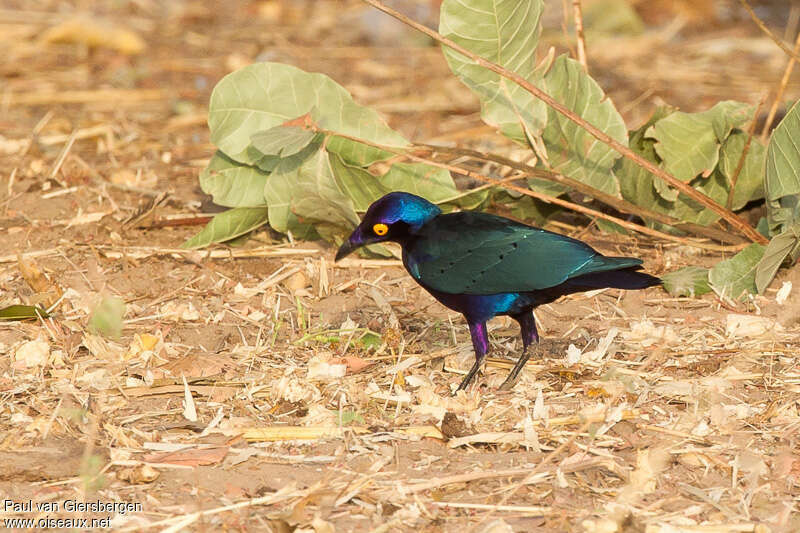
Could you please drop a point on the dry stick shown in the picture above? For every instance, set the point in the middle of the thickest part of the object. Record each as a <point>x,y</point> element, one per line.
<point>578,16</point>
<point>61,157</point>
<point>750,131</point>
<point>554,200</point>
<point>781,89</point>
<point>766,30</point>
<point>508,472</point>
<point>539,196</point>
<point>733,219</point>
<point>617,203</point>
<point>120,96</point>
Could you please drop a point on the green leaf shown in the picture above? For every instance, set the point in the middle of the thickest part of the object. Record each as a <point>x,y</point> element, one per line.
<point>282,141</point>
<point>637,185</point>
<point>106,318</point>
<point>268,163</point>
<point>688,143</point>
<point>782,213</point>
<point>736,277</point>
<point>686,209</point>
<point>309,194</point>
<point>370,341</point>
<point>611,18</point>
<point>779,248</point>
<point>717,185</point>
<point>264,95</point>
<point>22,312</point>
<point>665,190</point>
<point>233,184</point>
<point>432,183</point>
<point>525,208</point>
<point>547,187</point>
<point>571,150</point>
<point>782,181</point>
<point>689,281</point>
<point>350,416</point>
<point>361,186</point>
<point>505,32</point>
<point>606,226</point>
<point>728,115</point>
<point>228,225</point>
<point>750,182</point>
<point>642,188</point>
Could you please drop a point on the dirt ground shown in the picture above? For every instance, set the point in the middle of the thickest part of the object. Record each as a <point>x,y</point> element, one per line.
<point>322,391</point>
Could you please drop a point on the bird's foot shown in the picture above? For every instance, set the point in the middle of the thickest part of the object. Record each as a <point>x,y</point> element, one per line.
<point>470,375</point>
<point>513,376</point>
<point>508,384</point>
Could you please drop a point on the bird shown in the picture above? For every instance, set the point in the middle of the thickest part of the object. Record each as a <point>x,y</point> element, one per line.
<point>484,265</point>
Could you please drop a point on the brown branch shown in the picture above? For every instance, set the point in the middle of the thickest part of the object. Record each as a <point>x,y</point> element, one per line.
<point>193,221</point>
<point>539,196</point>
<point>592,213</point>
<point>787,73</point>
<point>734,220</point>
<point>578,16</point>
<point>619,204</point>
<point>777,40</point>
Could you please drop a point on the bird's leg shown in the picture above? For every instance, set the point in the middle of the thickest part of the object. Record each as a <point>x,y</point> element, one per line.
<point>527,325</point>
<point>480,341</point>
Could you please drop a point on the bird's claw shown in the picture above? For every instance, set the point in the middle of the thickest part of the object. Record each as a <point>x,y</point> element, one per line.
<point>508,384</point>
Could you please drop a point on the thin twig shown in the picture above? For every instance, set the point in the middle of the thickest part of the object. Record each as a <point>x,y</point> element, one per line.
<point>481,475</point>
<point>592,213</point>
<point>61,157</point>
<point>519,509</point>
<point>766,30</point>
<point>619,204</point>
<point>750,131</point>
<point>733,219</point>
<point>781,89</point>
<point>119,96</point>
<point>577,14</point>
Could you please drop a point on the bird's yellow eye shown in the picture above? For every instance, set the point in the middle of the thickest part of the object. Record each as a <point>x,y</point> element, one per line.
<point>380,229</point>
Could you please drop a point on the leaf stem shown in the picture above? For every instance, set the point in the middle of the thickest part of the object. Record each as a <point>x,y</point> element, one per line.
<point>787,73</point>
<point>763,27</point>
<point>577,14</point>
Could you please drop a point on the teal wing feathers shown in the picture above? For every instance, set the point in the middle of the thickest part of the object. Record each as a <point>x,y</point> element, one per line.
<point>478,253</point>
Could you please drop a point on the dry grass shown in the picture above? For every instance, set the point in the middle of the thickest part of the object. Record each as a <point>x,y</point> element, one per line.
<point>264,387</point>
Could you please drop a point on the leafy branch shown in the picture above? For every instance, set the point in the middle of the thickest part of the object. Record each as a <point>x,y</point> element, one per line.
<point>619,204</point>
<point>297,152</point>
<point>547,198</point>
<point>734,220</point>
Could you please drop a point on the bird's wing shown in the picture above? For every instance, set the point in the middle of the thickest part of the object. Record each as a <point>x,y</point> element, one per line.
<point>478,253</point>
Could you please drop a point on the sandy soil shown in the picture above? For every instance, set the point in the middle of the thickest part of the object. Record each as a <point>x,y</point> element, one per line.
<point>683,420</point>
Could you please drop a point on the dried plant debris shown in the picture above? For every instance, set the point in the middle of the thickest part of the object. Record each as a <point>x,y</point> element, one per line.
<point>260,385</point>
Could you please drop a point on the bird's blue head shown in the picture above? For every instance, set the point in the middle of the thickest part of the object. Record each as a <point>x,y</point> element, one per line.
<point>392,217</point>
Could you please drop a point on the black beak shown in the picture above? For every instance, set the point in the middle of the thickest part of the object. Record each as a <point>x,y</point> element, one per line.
<point>346,249</point>
<point>353,242</point>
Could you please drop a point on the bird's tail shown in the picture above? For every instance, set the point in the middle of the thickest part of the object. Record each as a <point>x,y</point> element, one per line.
<point>626,278</point>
